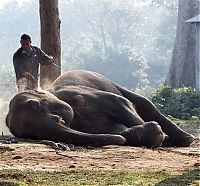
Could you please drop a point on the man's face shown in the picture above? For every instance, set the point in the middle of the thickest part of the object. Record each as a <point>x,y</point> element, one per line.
<point>25,44</point>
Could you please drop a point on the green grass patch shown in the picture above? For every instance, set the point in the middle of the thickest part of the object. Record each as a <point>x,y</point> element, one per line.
<point>86,177</point>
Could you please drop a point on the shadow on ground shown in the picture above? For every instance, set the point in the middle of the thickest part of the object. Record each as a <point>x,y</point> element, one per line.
<point>188,178</point>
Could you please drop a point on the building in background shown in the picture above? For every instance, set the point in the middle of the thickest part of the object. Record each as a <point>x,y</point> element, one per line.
<point>196,21</point>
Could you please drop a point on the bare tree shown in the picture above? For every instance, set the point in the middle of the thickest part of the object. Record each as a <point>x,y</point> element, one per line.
<point>182,71</point>
<point>50,40</point>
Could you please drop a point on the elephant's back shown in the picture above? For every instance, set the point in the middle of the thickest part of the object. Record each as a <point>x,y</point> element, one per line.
<point>84,78</point>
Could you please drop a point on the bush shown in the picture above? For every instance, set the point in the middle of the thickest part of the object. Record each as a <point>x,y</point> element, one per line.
<point>182,103</point>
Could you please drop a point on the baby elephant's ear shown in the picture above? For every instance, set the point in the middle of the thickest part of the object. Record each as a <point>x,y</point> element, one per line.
<point>34,104</point>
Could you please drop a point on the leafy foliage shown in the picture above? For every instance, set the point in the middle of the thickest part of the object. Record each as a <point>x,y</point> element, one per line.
<point>128,41</point>
<point>182,103</point>
<point>122,65</point>
<point>120,39</point>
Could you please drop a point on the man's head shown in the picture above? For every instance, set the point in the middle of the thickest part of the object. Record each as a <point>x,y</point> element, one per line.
<point>25,41</point>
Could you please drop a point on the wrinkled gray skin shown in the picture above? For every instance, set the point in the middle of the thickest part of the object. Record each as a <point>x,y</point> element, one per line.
<point>84,108</point>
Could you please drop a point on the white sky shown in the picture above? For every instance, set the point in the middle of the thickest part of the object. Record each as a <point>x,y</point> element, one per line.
<point>5,2</point>
<point>20,3</point>
<point>2,3</point>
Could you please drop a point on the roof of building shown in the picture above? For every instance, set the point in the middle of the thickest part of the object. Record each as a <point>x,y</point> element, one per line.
<point>195,19</point>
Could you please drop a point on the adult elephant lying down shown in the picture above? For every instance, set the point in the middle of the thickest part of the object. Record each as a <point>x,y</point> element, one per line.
<point>84,108</point>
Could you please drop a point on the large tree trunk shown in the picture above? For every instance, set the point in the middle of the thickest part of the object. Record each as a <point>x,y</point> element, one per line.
<point>182,71</point>
<point>50,40</point>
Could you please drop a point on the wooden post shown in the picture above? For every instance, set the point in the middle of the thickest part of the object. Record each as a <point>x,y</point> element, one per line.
<point>50,40</point>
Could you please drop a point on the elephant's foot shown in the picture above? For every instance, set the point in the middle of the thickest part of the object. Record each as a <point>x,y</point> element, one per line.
<point>184,141</point>
<point>149,135</point>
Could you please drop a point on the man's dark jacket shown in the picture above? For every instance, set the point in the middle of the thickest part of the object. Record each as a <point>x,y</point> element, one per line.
<point>24,63</point>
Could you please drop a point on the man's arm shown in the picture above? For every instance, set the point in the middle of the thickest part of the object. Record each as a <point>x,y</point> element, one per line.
<point>45,59</point>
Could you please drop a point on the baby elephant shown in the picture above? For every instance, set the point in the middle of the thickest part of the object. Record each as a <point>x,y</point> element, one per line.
<point>84,108</point>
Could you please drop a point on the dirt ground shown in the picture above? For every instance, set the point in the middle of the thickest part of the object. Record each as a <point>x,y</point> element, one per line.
<point>26,155</point>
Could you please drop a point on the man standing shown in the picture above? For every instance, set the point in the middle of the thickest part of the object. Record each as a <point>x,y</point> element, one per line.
<point>26,62</point>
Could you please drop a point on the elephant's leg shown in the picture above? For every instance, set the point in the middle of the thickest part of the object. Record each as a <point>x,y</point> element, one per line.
<point>119,109</point>
<point>149,135</point>
<point>175,135</point>
<point>167,142</point>
<point>148,112</point>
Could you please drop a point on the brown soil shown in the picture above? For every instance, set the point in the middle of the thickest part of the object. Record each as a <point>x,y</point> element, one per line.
<point>42,157</point>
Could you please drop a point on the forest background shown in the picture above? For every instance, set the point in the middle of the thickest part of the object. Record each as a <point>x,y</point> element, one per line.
<point>119,39</point>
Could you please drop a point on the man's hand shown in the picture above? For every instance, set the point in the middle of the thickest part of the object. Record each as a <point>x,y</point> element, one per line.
<point>51,59</point>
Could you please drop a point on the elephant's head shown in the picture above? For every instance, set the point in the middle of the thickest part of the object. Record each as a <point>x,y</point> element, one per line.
<point>33,109</point>
<point>41,115</point>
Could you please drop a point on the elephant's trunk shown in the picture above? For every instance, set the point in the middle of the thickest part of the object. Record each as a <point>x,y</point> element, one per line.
<point>59,133</point>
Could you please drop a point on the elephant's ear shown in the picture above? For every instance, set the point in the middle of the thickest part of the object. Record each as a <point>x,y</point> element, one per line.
<point>34,104</point>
